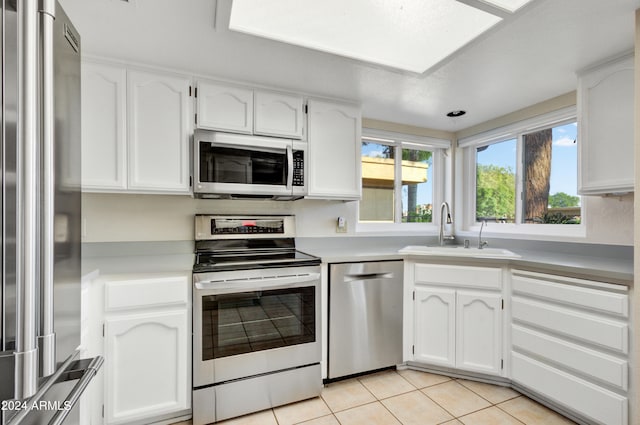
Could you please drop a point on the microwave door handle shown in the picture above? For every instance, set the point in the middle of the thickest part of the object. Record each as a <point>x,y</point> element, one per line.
<point>290,168</point>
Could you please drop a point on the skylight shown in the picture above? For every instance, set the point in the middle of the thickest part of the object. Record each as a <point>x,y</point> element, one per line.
<point>411,35</point>
<point>508,5</point>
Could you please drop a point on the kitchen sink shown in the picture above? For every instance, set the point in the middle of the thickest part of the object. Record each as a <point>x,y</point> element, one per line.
<point>458,251</point>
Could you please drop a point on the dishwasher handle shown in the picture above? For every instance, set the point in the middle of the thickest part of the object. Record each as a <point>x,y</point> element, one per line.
<point>368,276</point>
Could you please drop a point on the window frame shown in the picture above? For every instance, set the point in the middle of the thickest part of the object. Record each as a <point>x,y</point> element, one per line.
<point>440,149</point>
<point>517,131</point>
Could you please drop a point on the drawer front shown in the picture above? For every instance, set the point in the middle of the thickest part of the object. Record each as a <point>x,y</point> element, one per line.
<point>590,363</point>
<point>152,292</point>
<point>606,333</point>
<point>476,277</point>
<point>584,398</point>
<point>592,299</point>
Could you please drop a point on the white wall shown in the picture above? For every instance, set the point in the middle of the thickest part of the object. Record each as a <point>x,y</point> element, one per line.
<point>126,217</point>
<point>120,217</point>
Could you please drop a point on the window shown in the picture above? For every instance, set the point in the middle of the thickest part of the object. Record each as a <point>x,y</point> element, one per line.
<point>400,174</point>
<point>525,174</point>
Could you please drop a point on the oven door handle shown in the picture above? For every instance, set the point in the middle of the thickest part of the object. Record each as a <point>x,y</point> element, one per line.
<point>240,285</point>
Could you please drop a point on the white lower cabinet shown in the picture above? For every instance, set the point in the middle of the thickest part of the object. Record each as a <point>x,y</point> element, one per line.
<point>435,322</point>
<point>479,331</point>
<point>570,344</point>
<point>146,365</point>
<point>455,324</point>
<point>145,329</point>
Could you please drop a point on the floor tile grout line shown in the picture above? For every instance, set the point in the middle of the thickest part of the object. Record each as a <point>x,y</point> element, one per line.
<point>438,404</point>
<point>480,395</point>
<point>508,413</point>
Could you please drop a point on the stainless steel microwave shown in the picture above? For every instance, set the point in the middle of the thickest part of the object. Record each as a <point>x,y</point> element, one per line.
<point>235,165</point>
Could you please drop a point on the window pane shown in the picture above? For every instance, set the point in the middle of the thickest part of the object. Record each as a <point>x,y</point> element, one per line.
<point>417,186</point>
<point>378,172</point>
<point>551,176</point>
<point>496,182</point>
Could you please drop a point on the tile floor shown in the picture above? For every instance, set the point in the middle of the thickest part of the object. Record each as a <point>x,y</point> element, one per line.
<point>411,398</point>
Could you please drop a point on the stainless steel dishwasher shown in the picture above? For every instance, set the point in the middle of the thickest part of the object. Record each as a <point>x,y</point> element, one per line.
<point>365,317</point>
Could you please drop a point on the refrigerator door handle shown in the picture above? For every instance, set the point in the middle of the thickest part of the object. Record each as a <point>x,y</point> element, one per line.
<point>26,353</point>
<point>46,335</point>
<point>77,391</point>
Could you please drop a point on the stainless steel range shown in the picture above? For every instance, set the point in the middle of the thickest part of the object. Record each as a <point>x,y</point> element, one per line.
<point>256,317</point>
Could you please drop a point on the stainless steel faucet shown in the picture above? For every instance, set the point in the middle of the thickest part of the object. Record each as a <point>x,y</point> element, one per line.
<point>441,236</point>
<point>481,243</point>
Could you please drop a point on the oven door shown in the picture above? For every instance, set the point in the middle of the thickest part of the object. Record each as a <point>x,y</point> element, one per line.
<point>236,164</point>
<point>251,322</point>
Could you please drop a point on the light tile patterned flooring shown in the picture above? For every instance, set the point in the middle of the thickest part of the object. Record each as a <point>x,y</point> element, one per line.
<point>408,397</point>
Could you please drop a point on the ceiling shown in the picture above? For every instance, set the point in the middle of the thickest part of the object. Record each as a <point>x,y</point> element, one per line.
<point>529,57</point>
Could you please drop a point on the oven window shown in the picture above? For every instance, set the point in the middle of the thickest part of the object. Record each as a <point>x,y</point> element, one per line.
<point>260,320</point>
<point>230,165</point>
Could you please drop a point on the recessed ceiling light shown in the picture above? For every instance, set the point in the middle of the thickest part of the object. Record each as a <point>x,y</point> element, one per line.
<point>411,35</point>
<point>458,113</point>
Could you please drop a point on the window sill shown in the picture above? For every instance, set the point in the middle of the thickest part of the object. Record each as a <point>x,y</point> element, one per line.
<point>548,232</point>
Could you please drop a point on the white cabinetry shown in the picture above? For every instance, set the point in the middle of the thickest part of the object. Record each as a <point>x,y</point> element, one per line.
<point>135,130</point>
<point>606,125</point>
<point>570,343</point>
<point>104,143</point>
<point>278,114</point>
<point>455,316</point>
<point>158,111</point>
<point>479,331</point>
<point>146,328</point>
<point>435,324</point>
<point>334,150</point>
<point>224,107</point>
<point>236,109</point>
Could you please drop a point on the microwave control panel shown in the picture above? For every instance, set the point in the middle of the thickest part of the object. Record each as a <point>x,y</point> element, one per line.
<point>298,168</point>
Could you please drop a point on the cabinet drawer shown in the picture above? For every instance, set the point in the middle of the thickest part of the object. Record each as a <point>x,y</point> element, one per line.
<point>123,294</point>
<point>567,390</point>
<point>476,277</point>
<point>588,298</point>
<point>602,367</point>
<point>600,331</point>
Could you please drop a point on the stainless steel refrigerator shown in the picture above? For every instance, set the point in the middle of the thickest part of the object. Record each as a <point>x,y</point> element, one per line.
<point>41,375</point>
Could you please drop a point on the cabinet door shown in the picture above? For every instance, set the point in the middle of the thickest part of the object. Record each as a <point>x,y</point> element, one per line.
<point>434,334</point>
<point>606,118</point>
<point>479,331</point>
<point>334,150</point>
<point>225,107</point>
<point>278,114</point>
<point>147,366</point>
<point>103,127</point>
<point>158,114</point>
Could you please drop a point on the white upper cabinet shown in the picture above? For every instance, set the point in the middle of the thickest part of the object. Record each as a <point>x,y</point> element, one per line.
<point>158,109</point>
<point>135,130</point>
<point>104,160</point>
<point>235,109</point>
<point>224,107</point>
<point>606,123</point>
<point>278,114</point>
<point>334,150</point>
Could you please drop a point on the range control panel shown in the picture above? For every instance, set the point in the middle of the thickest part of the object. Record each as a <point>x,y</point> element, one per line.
<point>208,227</point>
